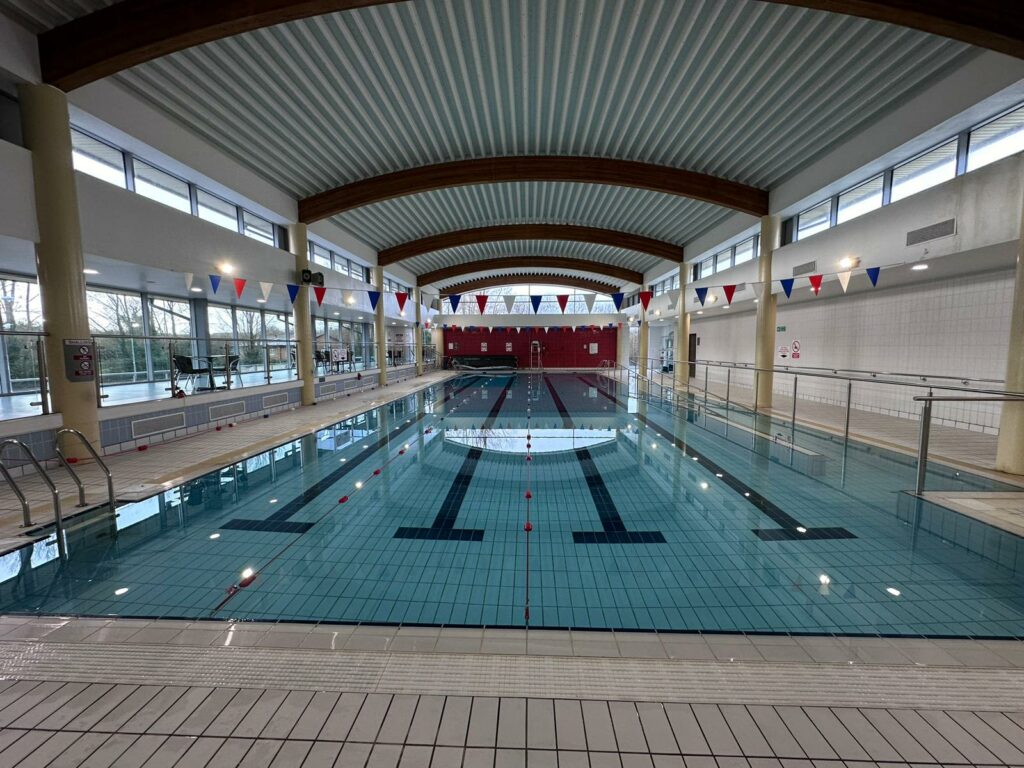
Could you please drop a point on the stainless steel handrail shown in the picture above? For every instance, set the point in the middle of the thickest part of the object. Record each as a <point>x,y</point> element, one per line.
<point>926,425</point>
<point>873,374</point>
<point>26,511</point>
<point>74,475</point>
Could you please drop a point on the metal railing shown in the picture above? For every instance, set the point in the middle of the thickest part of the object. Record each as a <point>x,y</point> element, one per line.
<point>926,426</point>
<point>74,475</point>
<point>23,370</point>
<point>26,510</point>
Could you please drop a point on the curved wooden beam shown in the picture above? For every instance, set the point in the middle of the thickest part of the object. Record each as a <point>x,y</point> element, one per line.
<point>132,32</point>
<point>499,280</point>
<point>530,262</point>
<point>492,170</point>
<point>570,232</point>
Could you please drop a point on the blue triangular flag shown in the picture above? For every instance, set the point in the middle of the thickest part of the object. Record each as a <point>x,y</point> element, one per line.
<point>215,282</point>
<point>873,274</point>
<point>293,292</point>
<point>787,285</point>
<point>374,298</point>
<point>536,300</point>
<point>702,294</point>
<point>617,298</point>
<point>454,300</point>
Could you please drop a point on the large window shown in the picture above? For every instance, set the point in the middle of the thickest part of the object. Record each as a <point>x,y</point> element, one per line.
<point>993,141</point>
<point>116,319</point>
<point>221,324</point>
<point>723,260</point>
<point>161,186</point>
<point>249,323</point>
<point>744,251</point>
<point>320,255</point>
<point>814,220</point>
<point>258,229</point>
<point>98,159</point>
<point>220,212</point>
<point>169,317</point>
<point>926,171</point>
<point>860,200</point>
<point>706,268</point>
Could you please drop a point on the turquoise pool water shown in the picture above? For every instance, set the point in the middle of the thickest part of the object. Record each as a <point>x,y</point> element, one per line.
<point>674,517</point>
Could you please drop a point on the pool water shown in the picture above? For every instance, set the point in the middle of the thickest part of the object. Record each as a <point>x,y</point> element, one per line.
<point>644,516</point>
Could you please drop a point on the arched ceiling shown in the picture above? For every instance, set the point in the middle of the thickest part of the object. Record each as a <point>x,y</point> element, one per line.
<point>584,282</point>
<point>749,92</point>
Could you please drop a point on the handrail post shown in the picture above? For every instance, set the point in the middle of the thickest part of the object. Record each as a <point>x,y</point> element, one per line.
<point>54,493</point>
<point>922,445</point>
<point>728,384</point>
<point>227,365</point>
<point>846,427</point>
<point>98,372</point>
<point>792,422</point>
<point>266,360</point>
<point>96,457</point>
<point>706,369</point>
<point>44,386</point>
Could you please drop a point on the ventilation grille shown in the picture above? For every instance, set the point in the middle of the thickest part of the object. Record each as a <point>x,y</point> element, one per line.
<point>269,401</point>
<point>805,269</point>
<point>328,389</point>
<point>156,424</point>
<point>932,232</point>
<point>227,410</point>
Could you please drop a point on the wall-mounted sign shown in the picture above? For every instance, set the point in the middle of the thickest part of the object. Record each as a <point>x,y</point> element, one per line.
<point>483,346</point>
<point>796,349</point>
<point>783,352</point>
<point>79,360</point>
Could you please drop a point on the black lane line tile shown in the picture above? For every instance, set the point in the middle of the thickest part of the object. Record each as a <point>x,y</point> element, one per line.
<point>443,528</point>
<point>788,523</point>
<point>613,528</point>
<point>279,521</point>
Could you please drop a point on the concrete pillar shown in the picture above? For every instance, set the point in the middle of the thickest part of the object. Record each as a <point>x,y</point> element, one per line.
<point>622,344</point>
<point>46,129</point>
<point>303,320</point>
<point>380,329</point>
<point>764,341</point>
<point>1010,448</point>
<point>419,332</point>
<point>682,343</point>
<point>643,365</point>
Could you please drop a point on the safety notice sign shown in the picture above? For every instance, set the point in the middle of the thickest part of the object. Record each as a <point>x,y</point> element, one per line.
<point>784,352</point>
<point>79,360</point>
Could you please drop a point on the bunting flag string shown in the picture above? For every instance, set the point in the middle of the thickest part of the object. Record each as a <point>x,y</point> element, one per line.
<point>815,283</point>
<point>401,298</point>
<point>454,299</point>
<point>510,301</point>
<point>481,301</point>
<point>617,299</point>
<point>844,279</point>
<point>645,298</point>
<point>293,292</point>
<point>320,292</point>
<point>239,286</point>
<point>729,291</point>
<point>265,289</point>
<point>873,275</point>
<point>588,299</point>
<point>787,286</point>
<point>188,281</point>
<point>673,298</point>
<point>215,282</point>
<point>756,288</point>
<point>702,295</point>
<point>563,301</point>
<point>536,300</point>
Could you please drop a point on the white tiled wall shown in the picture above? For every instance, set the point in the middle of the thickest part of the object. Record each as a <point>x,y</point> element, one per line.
<point>955,327</point>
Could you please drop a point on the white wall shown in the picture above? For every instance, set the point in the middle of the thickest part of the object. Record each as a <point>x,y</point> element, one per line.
<point>17,198</point>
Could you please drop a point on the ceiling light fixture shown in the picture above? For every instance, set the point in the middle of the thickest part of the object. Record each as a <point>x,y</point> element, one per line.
<point>90,271</point>
<point>919,267</point>
<point>849,262</point>
<point>196,289</point>
<point>227,269</point>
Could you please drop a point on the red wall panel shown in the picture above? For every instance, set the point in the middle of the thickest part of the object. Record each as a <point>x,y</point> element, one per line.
<point>560,347</point>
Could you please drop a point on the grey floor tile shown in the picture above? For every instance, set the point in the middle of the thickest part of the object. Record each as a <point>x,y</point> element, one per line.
<point>384,756</point>
<point>605,760</point>
<point>629,734</point>
<point>371,716</point>
<point>657,730</point>
<point>353,755</point>
<point>344,714</point>
<point>446,757</point>
<point>291,754</point>
<point>180,711</point>
<point>630,760</point>
<point>840,739</point>
<point>576,759</point>
<point>512,723</point>
<point>897,736</point>
<point>483,723</point>
<point>261,754</point>
<point>668,761</point>
<point>541,758</point>
<point>204,715</point>
<point>322,755</point>
<point>416,756</point>
<point>37,748</point>
<point>140,751</point>
<point>151,711</point>
<point>866,735</point>
<point>478,757</point>
<point>965,743</point>
<point>395,727</point>
<point>55,701</point>
<point>83,748</point>
<point>261,713</point>
<point>782,742</point>
<point>598,724</point>
<point>745,731</point>
<point>111,749</point>
<point>85,701</point>
<point>715,729</point>
<point>925,735</point>
<point>315,715</point>
<point>510,758</point>
<point>454,721</point>
<point>199,754</point>
<point>540,724</point>
<point>32,696</point>
<point>287,715</point>
<point>231,753</point>
<point>813,744</point>
<point>423,729</point>
<point>994,742</point>
<point>569,731</point>
<point>167,754</point>
<point>234,712</point>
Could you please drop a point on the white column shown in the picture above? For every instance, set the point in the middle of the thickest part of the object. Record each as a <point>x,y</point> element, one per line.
<point>682,342</point>
<point>764,342</point>
<point>1010,448</point>
<point>419,332</point>
<point>381,330</point>
<point>47,131</point>
<point>303,321</point>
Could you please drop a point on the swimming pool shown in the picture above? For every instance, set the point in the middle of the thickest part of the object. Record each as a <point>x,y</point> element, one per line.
<point>678,518</point>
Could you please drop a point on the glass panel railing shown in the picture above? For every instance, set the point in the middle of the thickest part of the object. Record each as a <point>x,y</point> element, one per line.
<point>22,378</point>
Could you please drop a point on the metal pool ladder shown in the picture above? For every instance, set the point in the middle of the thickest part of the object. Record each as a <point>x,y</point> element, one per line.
<point>74,475</point>
<point>26,512</point>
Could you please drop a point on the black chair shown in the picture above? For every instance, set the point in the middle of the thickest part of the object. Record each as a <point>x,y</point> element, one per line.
<point>185,366</point>
<point>320,359</point>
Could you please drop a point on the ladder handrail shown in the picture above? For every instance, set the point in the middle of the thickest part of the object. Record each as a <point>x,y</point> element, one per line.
<point>74,475</point>
<point>26,511</point>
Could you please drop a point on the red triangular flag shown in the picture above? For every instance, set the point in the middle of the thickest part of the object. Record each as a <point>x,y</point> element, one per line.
<point>729,290</point>
<point>563,301</point>
<point>401,300</point>
<point>239,286</point>
<point>481,301</point>
<point>320,292</point>
<point>815,283</point>
<point>645,299</point>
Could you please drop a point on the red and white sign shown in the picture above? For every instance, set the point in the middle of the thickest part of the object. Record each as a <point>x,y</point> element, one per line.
<point>783,352</point>
<point>796,349</point>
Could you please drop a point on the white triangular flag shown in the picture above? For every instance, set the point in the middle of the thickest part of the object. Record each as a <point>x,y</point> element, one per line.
<point>756,288</point>
<point>589,298</point>
<point>510,301</point>
<point>673,298</point>
<point>266,287</point>
<point>188,281</point>
<point>844,279</point>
